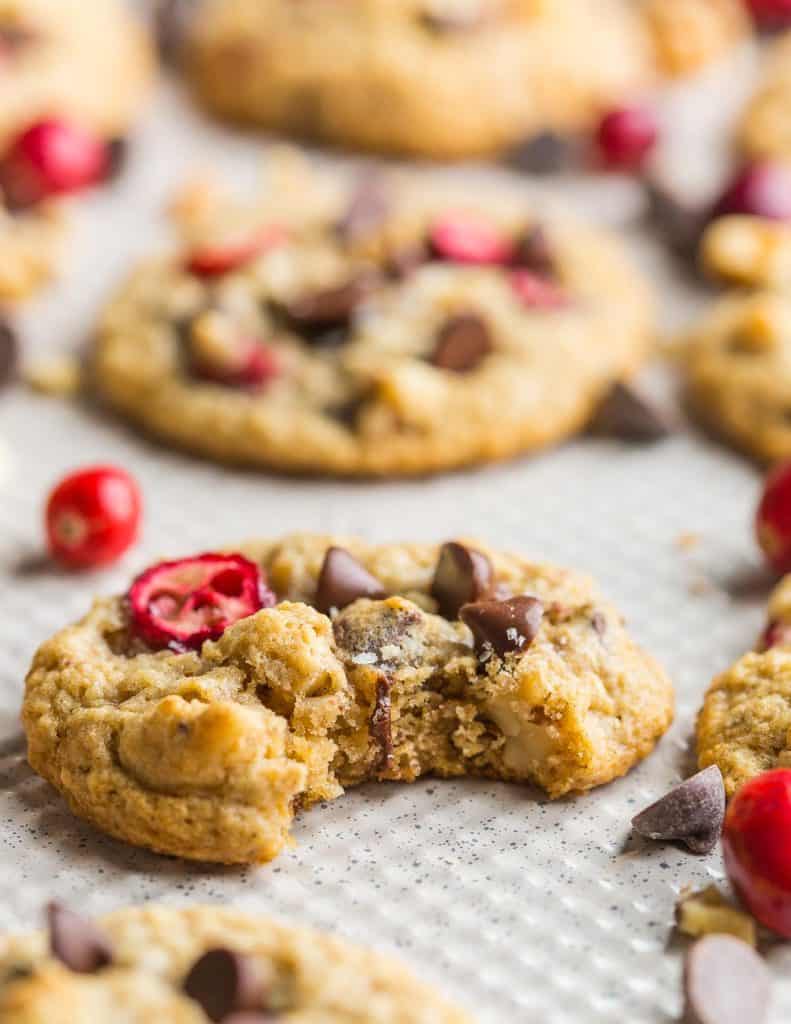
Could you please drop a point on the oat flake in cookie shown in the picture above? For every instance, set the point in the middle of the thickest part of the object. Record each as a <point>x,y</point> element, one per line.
<point>196,714</point>
<point>362,329</point>
<point>203,964</point>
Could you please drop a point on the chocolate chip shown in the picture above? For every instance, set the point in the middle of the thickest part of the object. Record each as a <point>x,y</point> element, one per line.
<point>629,416</point>
<point>223,982</point>
<point>692,813</point>
<point>380,726</point>
<point>535,253</point>
<point>8,352</point>
<point>462,343</point>
<point>505,626</point>
<point>117,153</point>
<point>315,314</point>
<point>462,576</point>
<point>725,982</point>
<point>76,941</point>
<point>545,153</point>
<point>367,211</point>
<point>342,580</point>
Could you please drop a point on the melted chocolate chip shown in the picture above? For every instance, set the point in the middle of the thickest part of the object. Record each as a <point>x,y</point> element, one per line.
<point>692,813</point>
<point>223,982</point>
<point>545,153</point>
<point>504,626</point>
<point>367,211</point>
<point>380,726</point>
<point>725,982</point>
<point>630,416</point>
<point>76,941</point>
<point>8,353</point>
<point>322,313</point>
<point>534,253</point>
<point>462,343</point>
<point>462,576</point>
<point>343,580</point>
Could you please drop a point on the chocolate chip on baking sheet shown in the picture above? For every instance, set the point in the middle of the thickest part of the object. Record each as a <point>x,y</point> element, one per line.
<point>692,813</point>
<point>342,580</point>
<point>367,210</point>
<point>462,343</point>
<point>725,982</point>
<point>8,352</point>
<point>505,626</point>
<point>223,982</point>
<point>380,726</point>
<point>318,312</point>
<point>76,941</point>
<point>628,415</point>
<point>534,252</point>
<point>462,576</point>
<point>547,152</point>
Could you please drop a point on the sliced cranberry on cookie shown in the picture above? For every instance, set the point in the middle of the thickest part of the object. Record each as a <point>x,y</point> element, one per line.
<point>216,259</point>
<point>465,238</point>
<point>181,604</point>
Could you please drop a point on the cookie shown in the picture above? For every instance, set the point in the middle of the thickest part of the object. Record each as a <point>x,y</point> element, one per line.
<point>436,78</point>
<point>744,726</point>
<point>201,964</point>
<point>765,129</point>
<point>371,330</point>
<point>688,34</point>
<point>197,714</point>
<point>752,252</point>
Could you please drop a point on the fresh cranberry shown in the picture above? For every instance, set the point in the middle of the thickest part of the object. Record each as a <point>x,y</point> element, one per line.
<point>464,238</point>
<point>222,258</point>
<point>756,844</point>
<point>776,634</point>
<point>773,518</point>
<point>771,14</point>
<point>183,603</point>
<point>51,158</point>
<point>625,137</point>
<point>93,517</point>
<point>761,189</point>
<point>251,368</point>
<point>537,292</point>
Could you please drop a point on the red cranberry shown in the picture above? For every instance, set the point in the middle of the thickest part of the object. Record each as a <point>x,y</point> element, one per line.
<point>180,604</point>
<point>51,158</point>
<point>537,292</point>
<point>93,517</point>
<point>756,844</point>
<point>761,189</point>
<point>464,238</point>
<point>626,136</point>
<point>773,518</point>
<point>222,258</point>
<point>771,13</point>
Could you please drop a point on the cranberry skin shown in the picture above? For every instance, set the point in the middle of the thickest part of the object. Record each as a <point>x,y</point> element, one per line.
<point>463,238</point>
<point>756,844</point>
<point>50,158</point>
<point>93,517</point>
<point>183,603</point>
<point>773,518</point>
<point>761,189</point>
<point>626,136</point>
<point>222,258</point>
<point>771,13</point>
<point>537,292</point>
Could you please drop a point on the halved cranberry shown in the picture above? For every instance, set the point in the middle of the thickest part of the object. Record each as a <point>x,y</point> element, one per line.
<point>536,291</point>
<point>50,158</point>
<point>251,368</point>
<point>464,238</point>
<point>626,136</point>
<point>761,189</point>
<point>183,603</point>
<point>223,257</point>
<point>773,518</point>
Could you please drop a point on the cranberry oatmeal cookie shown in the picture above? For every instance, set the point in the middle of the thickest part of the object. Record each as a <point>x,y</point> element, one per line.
<point>203,964</point>
<point>372,331</point>
<point>223,693</point>
<point>744,726</point>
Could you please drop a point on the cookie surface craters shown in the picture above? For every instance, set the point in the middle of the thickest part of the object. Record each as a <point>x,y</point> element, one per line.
<point>303,975</point>
<point>208,754</point>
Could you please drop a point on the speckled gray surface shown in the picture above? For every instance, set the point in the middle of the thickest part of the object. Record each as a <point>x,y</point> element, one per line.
<point>522,909</point>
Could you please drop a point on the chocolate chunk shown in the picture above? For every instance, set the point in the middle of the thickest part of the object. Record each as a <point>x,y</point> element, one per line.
<point>223,982</point>
<point>505,626</point>
<point>535,253</point>
<point>342,580</point>
<point>725,982</point>
<point>367,210</point>
<point>692,813</point>
<point>545,153</point>
<point>629,416</point>
<point>117,153</point>
<point>315,314</point>
<point>462,576</point>
<point>8,353</point>
<point>76,941</point>
<point>463,342</point>
<point>380,726</point>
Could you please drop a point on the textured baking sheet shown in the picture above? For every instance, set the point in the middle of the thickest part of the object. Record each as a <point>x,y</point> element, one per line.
<point>521,909</point>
